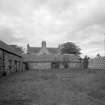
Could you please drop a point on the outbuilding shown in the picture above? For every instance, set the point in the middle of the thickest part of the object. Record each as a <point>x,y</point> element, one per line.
<point>10,59</point>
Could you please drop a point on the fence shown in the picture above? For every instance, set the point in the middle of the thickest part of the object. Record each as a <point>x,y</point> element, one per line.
<point>97,63</point>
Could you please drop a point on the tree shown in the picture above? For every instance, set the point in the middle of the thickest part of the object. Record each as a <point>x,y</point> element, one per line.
<point>98,55</point>
<point>70,48</point>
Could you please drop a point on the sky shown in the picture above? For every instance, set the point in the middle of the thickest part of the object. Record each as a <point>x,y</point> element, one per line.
<point>56,22</point>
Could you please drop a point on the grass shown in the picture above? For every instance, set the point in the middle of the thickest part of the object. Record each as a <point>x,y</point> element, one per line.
<point>53,87</point>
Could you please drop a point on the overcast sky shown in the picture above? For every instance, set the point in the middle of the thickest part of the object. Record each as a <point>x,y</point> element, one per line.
<point>55,21</point>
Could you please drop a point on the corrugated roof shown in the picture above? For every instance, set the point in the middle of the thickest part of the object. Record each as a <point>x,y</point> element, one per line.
<point>8,48</point>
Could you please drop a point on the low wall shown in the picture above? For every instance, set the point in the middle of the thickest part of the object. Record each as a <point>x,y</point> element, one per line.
<point>47,65</point>
<point>39,65</point>
<point>75,65</point>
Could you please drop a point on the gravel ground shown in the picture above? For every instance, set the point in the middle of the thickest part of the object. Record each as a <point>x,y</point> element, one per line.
<point>51,87</point>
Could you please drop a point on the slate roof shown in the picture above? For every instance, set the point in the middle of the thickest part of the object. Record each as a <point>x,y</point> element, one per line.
<point>67,57</point>
<point>34,49</point>
<point>49,58</point>
<point>8,48</point>
<point>50,49</point>
<point>53,50</point>
<point>35,58</point>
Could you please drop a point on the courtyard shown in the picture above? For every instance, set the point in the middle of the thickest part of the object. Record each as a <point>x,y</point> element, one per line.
<point>53,87</point>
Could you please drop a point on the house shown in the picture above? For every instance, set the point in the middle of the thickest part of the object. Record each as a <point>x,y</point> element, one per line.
<point>43,50</point>
<point>10,59</point>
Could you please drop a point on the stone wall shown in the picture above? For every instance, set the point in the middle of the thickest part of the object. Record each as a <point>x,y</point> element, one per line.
<point>48,61</point>
<point>12,63</point>
<point>9,62</point>
<point>75,65</point>
<point>1,62</point>
<point>47,65</point>
<point>39,65</point>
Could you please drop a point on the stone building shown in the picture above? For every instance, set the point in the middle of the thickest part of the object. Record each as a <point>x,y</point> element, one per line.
<point>43,50</point>
<point>42,57</point>
<point>10,59</point>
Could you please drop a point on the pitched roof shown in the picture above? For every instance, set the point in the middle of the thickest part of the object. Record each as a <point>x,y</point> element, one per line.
<point>49,58</point>
<point>8,48</point>
<point>50,49</point>
<point>53,50</point>
<point>34,49</point>
<point>35,58</point>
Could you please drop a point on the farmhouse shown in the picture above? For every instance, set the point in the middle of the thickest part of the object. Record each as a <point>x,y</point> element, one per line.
<point>10,59</point>
<point>43,50</point>
<point>43,57</point>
